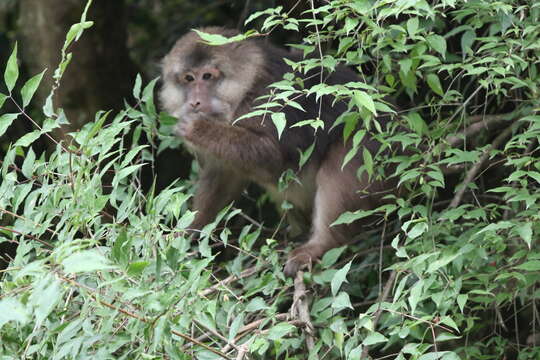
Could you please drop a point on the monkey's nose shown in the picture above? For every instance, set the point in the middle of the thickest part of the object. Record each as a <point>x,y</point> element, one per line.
<point>195,105</point>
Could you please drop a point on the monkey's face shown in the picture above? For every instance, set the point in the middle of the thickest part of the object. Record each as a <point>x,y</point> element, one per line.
<point>200,88</point>
<point>208,82</point>
<point>194,93</point>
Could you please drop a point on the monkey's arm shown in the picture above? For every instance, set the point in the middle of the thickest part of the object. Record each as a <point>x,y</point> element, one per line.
<point>247,148</point>
<point>216,188</point>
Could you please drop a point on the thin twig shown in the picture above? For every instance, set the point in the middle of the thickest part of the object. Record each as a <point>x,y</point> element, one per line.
<point>476,168</point>
<point>255,324</point>
<point>26,219</point>
<point>382,298</point>
<point>319,48</point>
<point>457,111</point>
<point>244,274</point>
<point>94,297</point>
<point>215,333</point>
<point>478,123</point>
<point>243,16</point>
<point>27,236</point>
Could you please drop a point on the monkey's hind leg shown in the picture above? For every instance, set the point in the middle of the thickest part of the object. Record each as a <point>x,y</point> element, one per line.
<point>335,194</point>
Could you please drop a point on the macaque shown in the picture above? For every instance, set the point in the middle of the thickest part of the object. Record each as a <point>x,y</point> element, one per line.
<point>209,87</point>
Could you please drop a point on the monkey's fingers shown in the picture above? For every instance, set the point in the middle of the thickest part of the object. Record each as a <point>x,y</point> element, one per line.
<point>299,259</point>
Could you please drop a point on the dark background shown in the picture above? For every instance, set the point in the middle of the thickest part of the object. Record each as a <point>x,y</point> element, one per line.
<point>128,37</point>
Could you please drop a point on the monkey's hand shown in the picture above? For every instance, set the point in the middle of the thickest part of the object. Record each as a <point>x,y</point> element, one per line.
<point>298,259</point>
<point>186,126</point>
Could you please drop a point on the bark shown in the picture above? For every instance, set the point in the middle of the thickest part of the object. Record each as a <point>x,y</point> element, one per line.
<point>101,73</point>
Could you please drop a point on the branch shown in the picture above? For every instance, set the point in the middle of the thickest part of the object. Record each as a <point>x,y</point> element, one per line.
<point>478,123</point>
<point>244,274</point>
<point>94,297</point>
<point>27,236</point>
<point>300,308</point>
<point>476,168</point>
<point>382,298</point>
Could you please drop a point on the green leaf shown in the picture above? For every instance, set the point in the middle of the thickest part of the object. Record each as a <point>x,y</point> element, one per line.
<point>447,320</point>
<point>368,161</point>
<point>235,326</point>
<point>86,261</point>
<point>12,310</point>
<point>462,300</point>
<point>437,264</point>
<point>342,301</point>
<point>331,256</point>
<point>280,122</point>
<point>525,232</point>
<point>28,164</point>
<point>339,278</point>
<point>256,304</point>
<point>374,338</point>
<point>12,70</point>
<point>355,353</point>
<point>435,84</point>
<point>136,268</point>
<point>533,265</point>
<point>415,294</point>
<point>3,99</point>
<point>349,217</point>
<point>349,156</point>
<point>280,330</point>
<point>46,294</point>
<point>29,89</point>
<point>417,230</point>
<point>28,138</point>
<point>305,155</point>
<point>493,227</point>
<point>137,87</point>
<point>167,119</point>
<point>361,98</point>
<point>467,39</point>
<point>124,173</point>
<point>120,249</point>
<point>6,120</point>
<point>412,26</point>
<point>217,39</point>
<point>186,220</point>
<point>416,123</point>
<point>433,355</point>
<point>437,43</point>
<point>405,65</point>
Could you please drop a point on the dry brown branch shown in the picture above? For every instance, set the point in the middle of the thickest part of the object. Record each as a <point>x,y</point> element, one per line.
<point>300,308</point>
<point>26,219</point>
<point>476,168</point>
<point>26,236</point>
<point>244,348</point>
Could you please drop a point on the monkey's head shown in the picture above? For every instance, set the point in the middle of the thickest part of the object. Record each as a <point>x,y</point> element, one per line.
<point>211,82</point>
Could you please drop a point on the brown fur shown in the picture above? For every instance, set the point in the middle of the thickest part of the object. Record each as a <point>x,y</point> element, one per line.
<point>231,155</point>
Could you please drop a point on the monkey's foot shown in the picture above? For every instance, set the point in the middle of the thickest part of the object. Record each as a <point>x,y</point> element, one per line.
<point>298,259</point>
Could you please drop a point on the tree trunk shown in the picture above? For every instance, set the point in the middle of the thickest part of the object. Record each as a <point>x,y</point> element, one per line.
<point>100,74</point>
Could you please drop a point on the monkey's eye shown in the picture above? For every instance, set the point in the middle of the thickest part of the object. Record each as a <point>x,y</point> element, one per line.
<point>189,78</point>
<point>207,76</point>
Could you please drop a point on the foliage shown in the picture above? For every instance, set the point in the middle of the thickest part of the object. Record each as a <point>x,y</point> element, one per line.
<point>104,270</point>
